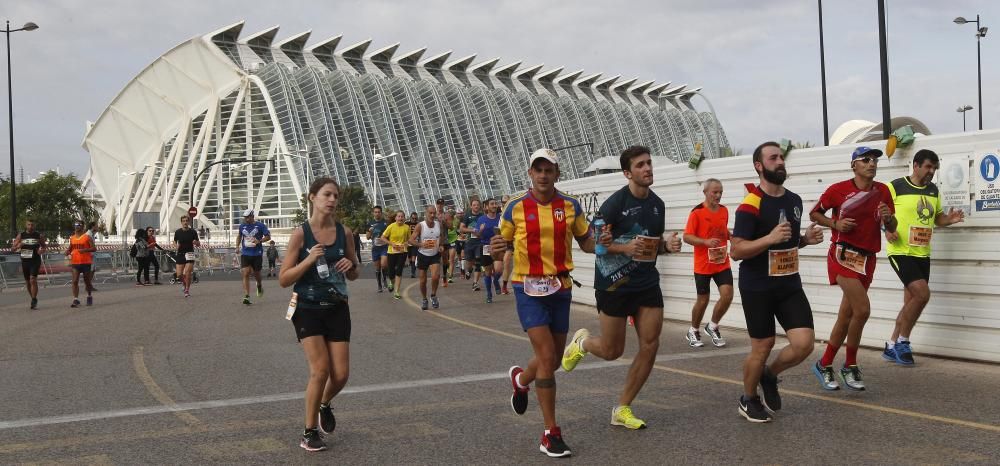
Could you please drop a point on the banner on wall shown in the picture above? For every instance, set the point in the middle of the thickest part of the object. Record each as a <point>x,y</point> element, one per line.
<point>985,172</point>
<point>954,183</point>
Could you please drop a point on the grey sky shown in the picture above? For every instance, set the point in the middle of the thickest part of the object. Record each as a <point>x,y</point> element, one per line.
<point>757,60</point>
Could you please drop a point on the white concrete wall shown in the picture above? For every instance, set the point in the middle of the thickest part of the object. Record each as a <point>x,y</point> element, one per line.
<point>963,317</point>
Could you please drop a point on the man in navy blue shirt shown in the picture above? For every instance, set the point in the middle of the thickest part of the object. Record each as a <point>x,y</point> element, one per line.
<point>250,240</point>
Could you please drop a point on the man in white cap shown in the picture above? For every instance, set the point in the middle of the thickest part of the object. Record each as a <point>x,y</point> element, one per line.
<point>540,224</point>
<point>252,235</point>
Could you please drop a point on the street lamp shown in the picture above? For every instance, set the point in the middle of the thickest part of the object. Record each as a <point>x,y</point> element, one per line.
<point>375,158</point>
<point>980,33</point>
<point>302,154</point>
<point>962,110</point>
<point>29,26</point>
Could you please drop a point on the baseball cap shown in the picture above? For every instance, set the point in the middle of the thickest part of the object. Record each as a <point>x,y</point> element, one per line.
<point>864,151</point>
<point>547,154</point>
<point>248,212</point>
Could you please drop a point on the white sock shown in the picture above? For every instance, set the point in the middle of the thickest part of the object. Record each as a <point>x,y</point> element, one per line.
<point>889,343</point>
<point>713,325</point>
<point>902,339</point>
<point>692,329</point>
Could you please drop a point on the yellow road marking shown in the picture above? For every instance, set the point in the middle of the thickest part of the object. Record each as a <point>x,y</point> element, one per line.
<point>139,363</point>
<point>852,403</point>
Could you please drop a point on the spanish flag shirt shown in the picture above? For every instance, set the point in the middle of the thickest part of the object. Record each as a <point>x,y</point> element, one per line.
<point>543,234</point>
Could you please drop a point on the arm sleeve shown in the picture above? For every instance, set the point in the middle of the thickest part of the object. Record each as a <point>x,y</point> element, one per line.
<point>580,227</point>
<point>824,203</point>
<point>507,222</point>
<point>691,228</point>
<point>266,231</point>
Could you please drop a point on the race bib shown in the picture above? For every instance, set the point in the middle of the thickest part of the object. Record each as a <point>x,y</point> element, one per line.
<point>486,249</point>
<point>396,248</point>
<point>380,241</point>
<point>27,254</point>
<point>189,256</point>
<point>851,260</point>
<point>541,285</point>
<point>717,255</point>
<point>920,236</point>
<point>429,244</point>
<point>650,248</point>
<point>783,262</point>
<point>291,306</point>
<point>249,243</point>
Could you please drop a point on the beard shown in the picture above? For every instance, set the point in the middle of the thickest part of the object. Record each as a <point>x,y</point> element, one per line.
<point>777,176</point>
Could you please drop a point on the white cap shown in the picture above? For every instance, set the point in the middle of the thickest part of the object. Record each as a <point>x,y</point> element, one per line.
<point>547,154</point>
<point>248,212</point>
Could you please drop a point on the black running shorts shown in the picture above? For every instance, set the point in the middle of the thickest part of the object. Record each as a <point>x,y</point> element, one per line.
<point>255,262</point>
<point>332,322</point>
<point>702,282</point>
<point>30,267</point>
<point>789,307</point>
<point>424,262</point>
<point>396,264</point>
<point>910,269</point>
<point>627,303</point>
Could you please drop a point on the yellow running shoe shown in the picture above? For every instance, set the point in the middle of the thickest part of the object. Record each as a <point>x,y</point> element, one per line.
<point>574,351</point>
<point>622,416</point>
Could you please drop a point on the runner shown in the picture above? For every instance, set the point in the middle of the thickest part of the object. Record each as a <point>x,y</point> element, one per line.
<point>541,223</point>
<point>250,239</point>
<point>450,236</point>
<point>458,259</point>
<point>185,240</point>
<point>379,260</point>
<point>708,231</point>
<point>151,240</point>
<point>430,237</point>
<point>508,262</point>
<point>319,261</point>
<point>272,255</point>
<point>92,231</point>
<point>398,237</point>
<point>31,244</point>
<point>766,239</point>
<point>918,209</point>
<point>472,248</point>
<point>488,225</point>
<point>81,254</point>
<point>859,205</point>
<point>626,282</point>
<point>411,252</point>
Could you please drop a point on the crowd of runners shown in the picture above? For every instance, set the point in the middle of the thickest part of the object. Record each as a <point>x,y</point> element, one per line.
<point>522,245</point>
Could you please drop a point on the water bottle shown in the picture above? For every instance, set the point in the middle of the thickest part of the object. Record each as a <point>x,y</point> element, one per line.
<point>598,225</point>
<point>322,269</point>
<point>781,217</point>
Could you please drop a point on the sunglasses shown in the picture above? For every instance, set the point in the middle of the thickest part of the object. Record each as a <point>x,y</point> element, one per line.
<point>867,159</point>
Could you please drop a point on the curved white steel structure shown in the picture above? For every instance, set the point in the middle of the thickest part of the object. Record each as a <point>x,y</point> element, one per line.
<point>460,128</point>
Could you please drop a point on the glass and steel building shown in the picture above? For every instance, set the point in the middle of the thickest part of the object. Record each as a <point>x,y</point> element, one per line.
<point>224,123</point>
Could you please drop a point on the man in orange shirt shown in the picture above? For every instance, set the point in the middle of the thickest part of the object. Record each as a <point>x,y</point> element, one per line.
<point>81,254</point>
<point>708,231</point>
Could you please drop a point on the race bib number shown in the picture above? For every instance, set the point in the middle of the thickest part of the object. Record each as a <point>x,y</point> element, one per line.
<point>851,260</point>
<point>429,244</point>
<point>249,243</point>
<point>292,303</point>
<point>486,249</point>
<point>380,241</point>
<point>396,248</point>
<point>783,262</point>
<point>920,236</point>
<point>717,255</point>
<point>541,286</point>
<point>27,254</point>
<point>189,256</point>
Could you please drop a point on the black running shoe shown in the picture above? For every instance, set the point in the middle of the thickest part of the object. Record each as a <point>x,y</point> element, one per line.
<point>753,410</point>
<point>312,441</point>
<point>34,303</point>
<point>553,444</point>
<point>327,421</point>
<point>519,400</point>
<point>769,386</point>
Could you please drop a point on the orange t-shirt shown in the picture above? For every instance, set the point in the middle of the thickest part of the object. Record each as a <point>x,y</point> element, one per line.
<point>705,224</point>
<point>81,242</point>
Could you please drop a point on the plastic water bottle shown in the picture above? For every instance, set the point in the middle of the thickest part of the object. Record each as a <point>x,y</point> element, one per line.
<point>598,225</point>
<point>322,269</point>
<point>781,217</point>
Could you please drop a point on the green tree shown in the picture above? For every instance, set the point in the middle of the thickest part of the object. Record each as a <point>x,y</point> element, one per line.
<point>353,208</point>
<point>53,201</point>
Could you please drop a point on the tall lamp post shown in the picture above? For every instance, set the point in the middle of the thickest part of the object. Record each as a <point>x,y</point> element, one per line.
<point>962,110</point>
<point>29,26</point>
<point>375,158</point>
<point>980,33</point>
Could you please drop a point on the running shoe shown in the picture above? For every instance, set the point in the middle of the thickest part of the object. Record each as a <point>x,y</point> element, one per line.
<point>553,445</point>
<point>694,338</point>
<point>388,286</point>
<point>451,279</point>
<point>34,303</point>
<point>434,302</point>
<point>497,290</point>
<point>825,376</point>
<point>138,284</point>
<point>904,354</point>
<point>753,410</point>
<point>380,289</point>
<point>519,400</point>
<point>852,377</point>
<point>475,287</point>
<point>769,386</point>
<point>327,421</point>
<point>622,416</point>
<point>574,351</point>
<point>423,305</point>
<point>246,299</point>
<point>146,283</point>
<point>76,303</point>
<point>187,294</point>
<point>312,441</point>
<point>504,288</point>
<point>260,290</point>
<point>889,354</point>
<point>157,283</point>
<point>444,283</point>
<point>489,299</point>
<point>717,339</point>
<point>396,296</point>
<point>90,300</point>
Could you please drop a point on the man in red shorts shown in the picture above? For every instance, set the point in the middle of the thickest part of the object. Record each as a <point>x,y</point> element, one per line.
<point>860,206</point>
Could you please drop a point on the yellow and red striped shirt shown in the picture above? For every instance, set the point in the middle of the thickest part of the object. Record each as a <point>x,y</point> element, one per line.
<point>543,233</point>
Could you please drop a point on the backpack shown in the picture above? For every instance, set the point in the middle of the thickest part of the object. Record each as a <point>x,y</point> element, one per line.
<point>132,251</point>
<point>141,249</point>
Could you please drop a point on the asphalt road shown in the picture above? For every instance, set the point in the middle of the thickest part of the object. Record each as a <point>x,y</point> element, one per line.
<point>148,377</point>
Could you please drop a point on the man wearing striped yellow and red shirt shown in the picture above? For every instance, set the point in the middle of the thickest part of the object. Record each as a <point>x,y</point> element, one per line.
<point>541,225</point>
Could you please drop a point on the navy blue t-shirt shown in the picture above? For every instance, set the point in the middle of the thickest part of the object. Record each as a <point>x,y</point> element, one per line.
<point>755,218</point>
<point>377,227</point>
<point>629,216</point>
